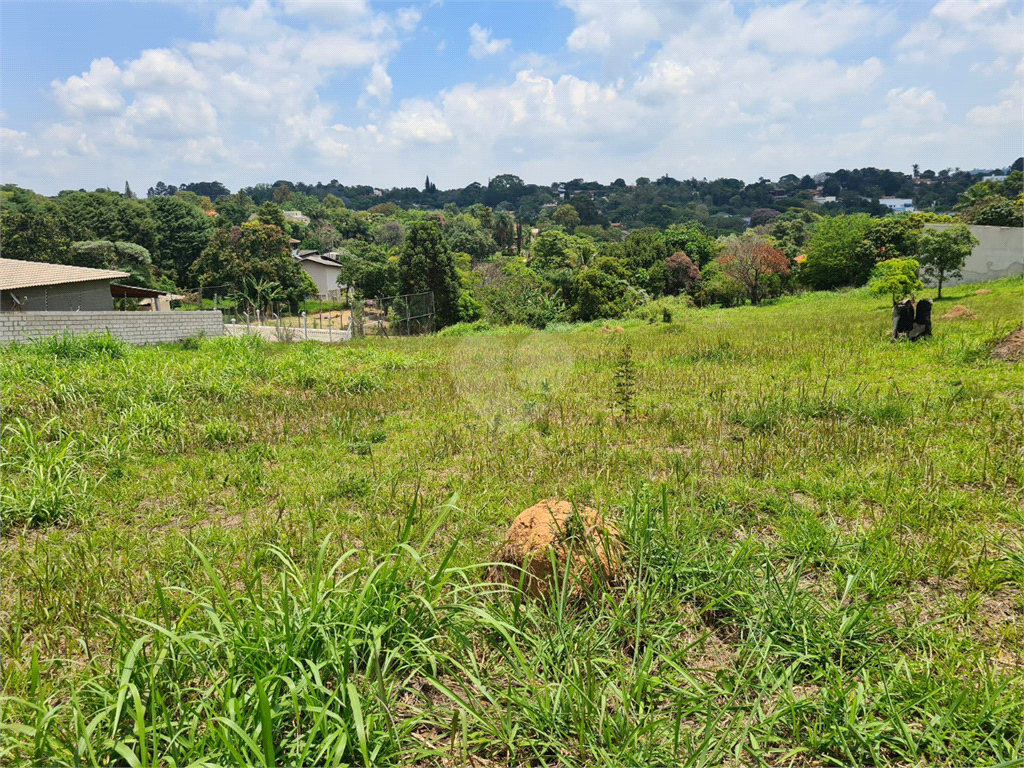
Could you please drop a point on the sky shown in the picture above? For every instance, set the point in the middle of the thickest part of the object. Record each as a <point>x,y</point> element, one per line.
<point>94,94</point>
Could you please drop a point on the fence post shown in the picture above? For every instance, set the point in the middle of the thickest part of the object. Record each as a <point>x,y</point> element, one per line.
<point>305,328</point>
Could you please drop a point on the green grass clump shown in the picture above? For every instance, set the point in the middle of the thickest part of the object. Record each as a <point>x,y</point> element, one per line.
<point>238,552</point>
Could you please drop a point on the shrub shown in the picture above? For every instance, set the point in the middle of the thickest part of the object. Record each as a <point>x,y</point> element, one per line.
<point>896,278</point>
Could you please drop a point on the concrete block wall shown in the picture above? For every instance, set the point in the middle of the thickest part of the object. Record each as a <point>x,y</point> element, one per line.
<point>133,327</point>
<point>999,253</point>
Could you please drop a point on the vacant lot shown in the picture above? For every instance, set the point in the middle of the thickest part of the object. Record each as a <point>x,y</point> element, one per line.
<point>236,552</point>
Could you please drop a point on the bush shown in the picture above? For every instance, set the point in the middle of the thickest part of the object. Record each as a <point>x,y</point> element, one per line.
<point>832,255</point>
<point>896,278</point>
<point>716,287</point>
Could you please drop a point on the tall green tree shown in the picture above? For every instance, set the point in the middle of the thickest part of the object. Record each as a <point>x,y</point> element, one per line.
<point>109,216</point>
<point>36,236</point>
<point>691,239</point>
<point>944,253</point>
<point>833,253</point>
<point>427,264</point>
<point>566,216</point>
<point>250,257</point>
<point>182,232</point>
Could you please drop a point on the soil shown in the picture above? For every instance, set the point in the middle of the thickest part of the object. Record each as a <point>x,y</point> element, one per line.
<point>579,538</point>
<point>982,292</point>
<point>1010,349</point>
<point>959,312</point>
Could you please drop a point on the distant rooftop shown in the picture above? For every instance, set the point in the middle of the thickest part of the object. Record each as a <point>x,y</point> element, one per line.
<point>29,274</point>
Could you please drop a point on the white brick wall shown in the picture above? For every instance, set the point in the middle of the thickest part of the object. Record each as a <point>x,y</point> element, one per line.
<point>133,327</point>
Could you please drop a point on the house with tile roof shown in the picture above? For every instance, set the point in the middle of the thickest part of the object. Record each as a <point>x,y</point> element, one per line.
<point>34,286</point>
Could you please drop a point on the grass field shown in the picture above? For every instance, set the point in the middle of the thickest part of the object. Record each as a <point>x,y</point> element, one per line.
<point>234,552</point>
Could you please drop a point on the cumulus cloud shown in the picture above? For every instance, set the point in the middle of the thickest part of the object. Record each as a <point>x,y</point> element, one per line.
<point>484,44</point>
<point>302,88</point>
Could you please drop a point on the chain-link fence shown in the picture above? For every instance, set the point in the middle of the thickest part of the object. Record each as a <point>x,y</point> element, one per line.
<point>408,315</point>
<point>335,318</point>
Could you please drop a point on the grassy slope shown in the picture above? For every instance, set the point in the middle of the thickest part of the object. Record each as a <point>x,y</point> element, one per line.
<point>823,527</point>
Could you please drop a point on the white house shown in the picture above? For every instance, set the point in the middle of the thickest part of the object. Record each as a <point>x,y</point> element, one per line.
<point>821,200</point>
<point>897,204</point>
<point>296,216</point>
<point>323,271</point>
<point>995,177</point>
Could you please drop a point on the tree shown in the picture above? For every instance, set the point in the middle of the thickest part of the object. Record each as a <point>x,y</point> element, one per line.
<point>1018,164</point>
<point>128,192</point>
<point>126,257</point>
<point>832,254</point>
<point>282,193</point>
<point>390,234</point>
<point>270,214</point>
<point>504,232</point>
<point>161,190</point>
<point>566,216</point>
<point>762,216</point>
<point>34,236</point>
<point>750,260</point>
<point>683,274</point>
<point>691,239</point>
<point>182,232</point>
<point>252,255</point>
<point>944,253</point>
<point>598,293</point>
<point>232,210</point>
<point>992,211</point>
<point>427,264</point>
<point>896,278</point>
<point>109,216</point>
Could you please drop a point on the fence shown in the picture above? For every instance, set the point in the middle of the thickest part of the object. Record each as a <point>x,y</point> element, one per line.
<point>408,315</point>
<point>318,320</point>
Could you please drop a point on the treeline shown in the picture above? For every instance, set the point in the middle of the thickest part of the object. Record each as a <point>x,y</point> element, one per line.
<point>498,263</point>
<point>721,205</point>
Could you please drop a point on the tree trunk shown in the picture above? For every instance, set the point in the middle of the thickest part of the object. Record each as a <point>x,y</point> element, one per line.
<point>940,287</point>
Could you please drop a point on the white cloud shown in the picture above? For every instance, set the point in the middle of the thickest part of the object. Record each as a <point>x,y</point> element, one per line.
<point>301,89</point>
<point>408,18</point>
<point>378,86</point>
<point>418,120</point>
<point>95,91</point>
<point>1006,115</point>
<point>484,44</point>
<point>805,28</point>
<point>955,26</point>
<point>17,142</point>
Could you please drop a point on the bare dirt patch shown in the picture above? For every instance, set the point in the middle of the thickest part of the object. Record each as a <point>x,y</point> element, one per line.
<point>1010,349</point>
<point>982,292</point>
<point>959,312</point>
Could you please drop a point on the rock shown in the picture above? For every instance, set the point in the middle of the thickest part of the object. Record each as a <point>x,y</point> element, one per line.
<point>902,318</point>
<point>959,312</point>
<point>582,543</point>
<point>922,320</point>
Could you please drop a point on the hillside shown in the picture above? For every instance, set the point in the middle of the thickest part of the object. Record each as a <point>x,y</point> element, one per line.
<point>822,531</point>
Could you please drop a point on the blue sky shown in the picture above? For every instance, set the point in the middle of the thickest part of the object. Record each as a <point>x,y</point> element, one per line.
<point>94,94</point>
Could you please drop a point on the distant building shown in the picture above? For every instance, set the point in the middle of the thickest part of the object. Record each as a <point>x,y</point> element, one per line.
<point>296,216</point>
<point>897,204</point>
<point>323,270</point>
<point>32,286</point>
<point>821,200</point>
<point>378,192</point>
<point>995,177</point>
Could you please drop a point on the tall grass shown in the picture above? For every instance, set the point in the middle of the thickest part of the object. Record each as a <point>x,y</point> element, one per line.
<point>238,552</point>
